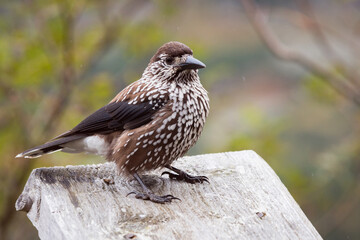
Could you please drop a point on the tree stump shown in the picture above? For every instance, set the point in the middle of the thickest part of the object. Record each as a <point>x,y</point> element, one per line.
<point>244,200</point>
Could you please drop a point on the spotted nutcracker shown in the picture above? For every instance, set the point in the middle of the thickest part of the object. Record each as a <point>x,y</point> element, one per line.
<point>149,124</point>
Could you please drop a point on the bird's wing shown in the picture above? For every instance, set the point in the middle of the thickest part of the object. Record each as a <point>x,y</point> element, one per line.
<point>115,116</point>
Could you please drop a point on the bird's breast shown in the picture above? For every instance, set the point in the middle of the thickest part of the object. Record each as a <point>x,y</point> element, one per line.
<point>174,128</point>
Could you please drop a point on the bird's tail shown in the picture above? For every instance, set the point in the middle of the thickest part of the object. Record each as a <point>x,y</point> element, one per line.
<point>49,147</point>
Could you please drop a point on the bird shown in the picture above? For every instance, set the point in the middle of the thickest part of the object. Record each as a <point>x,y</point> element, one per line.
<point>148,125</point>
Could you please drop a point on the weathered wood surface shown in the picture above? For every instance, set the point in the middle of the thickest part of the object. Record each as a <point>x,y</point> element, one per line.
<point>244,200</point>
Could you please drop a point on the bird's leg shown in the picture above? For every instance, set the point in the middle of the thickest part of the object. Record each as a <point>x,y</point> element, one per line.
<point>147,194</point>
<point>183,176</point>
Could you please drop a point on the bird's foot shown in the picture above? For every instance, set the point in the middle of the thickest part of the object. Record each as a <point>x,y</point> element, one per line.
<point>183,176</point>
<point>153,198</point>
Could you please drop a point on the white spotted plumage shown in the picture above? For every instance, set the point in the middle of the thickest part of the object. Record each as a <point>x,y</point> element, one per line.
<point>178,126</point>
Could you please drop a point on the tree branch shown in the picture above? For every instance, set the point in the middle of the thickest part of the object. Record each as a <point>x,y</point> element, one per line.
<point>337,81</point>
<point>61,101</point>
<point>322,41</point>
<point>68,76</point>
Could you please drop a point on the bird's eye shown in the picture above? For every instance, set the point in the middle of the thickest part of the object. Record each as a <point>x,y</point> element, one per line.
<point>169,60</point>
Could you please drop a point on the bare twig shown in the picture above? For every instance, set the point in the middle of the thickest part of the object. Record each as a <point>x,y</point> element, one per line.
<point>317,32</point>
<point>323,42</point>
<point>337,81</point>
<point>68,72</point>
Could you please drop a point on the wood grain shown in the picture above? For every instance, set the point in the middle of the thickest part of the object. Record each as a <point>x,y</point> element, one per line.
<point>244,200</point>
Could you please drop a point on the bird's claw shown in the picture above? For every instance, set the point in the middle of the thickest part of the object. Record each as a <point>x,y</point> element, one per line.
<point>153,198</point>
<point>186,177</point>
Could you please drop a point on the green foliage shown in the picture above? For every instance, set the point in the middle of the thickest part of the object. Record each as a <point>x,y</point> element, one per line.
<point>320,89</point>
<point>95,94</point>
<point>32,68</point>
<point>258,133</point>
<point>141,38</point>
<point>5,54</point>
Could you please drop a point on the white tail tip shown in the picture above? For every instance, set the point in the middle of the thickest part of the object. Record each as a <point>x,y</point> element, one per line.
<point>20,155</point>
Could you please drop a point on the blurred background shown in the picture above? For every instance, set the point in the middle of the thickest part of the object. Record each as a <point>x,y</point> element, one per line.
<point>283,79</point>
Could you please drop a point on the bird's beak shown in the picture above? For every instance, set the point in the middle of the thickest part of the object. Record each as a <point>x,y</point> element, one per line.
<point>191,63</point>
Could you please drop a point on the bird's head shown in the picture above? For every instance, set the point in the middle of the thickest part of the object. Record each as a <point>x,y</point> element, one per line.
<point>174,60</point>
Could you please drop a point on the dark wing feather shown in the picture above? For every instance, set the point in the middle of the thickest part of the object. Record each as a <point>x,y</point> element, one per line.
<point>115,116</point>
